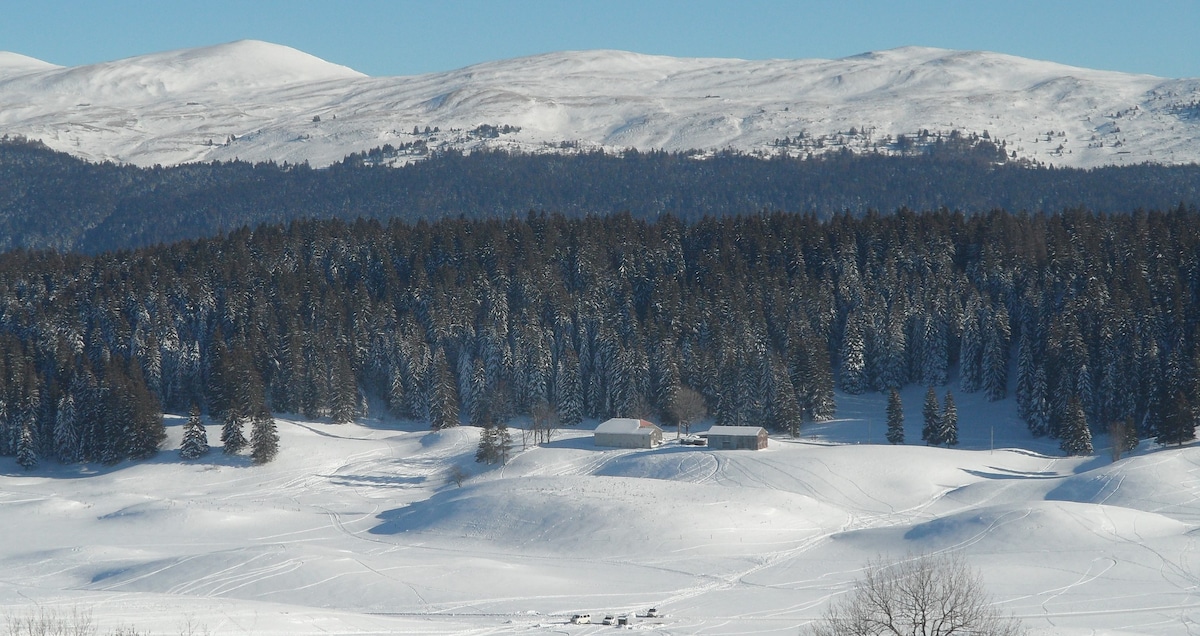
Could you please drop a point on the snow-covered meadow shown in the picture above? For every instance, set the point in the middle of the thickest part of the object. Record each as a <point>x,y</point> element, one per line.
<point>362,529</point>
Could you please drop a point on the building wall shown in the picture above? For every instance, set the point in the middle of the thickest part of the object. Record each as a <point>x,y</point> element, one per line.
<point>623,440</point>
<point>737,442</point>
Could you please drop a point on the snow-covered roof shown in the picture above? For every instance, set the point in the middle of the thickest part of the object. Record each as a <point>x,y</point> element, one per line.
<point>627,425</point>
<point>736,431</point>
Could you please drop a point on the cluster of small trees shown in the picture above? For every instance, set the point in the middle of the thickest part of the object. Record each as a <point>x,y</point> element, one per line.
<point>940,422</point>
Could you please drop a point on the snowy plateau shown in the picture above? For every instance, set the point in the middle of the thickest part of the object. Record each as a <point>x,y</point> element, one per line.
<point>384,527</point>
<point>258,101</point>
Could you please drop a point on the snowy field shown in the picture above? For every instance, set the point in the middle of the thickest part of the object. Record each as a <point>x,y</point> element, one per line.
<point>360,529</point>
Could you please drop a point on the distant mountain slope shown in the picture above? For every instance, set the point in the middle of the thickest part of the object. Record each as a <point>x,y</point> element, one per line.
<point>264,102</point>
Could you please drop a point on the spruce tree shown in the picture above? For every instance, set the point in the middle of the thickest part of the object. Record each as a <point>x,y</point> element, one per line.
<point>853,370</point>
<point>949,421</point>
<point>195,436</point>
<point>1038,417</point>
<point>503,443</point>
<point>1177,424</point>
<point>443,407</point>
<point>486,452</point>
<point>264,437</point>
<point>1076,436</point>
<point>895,418</point>
<point>66,431</point>
<point>26,449</point>
<point>931,431</point>
<point>994,366</point>
<point>232,434</point>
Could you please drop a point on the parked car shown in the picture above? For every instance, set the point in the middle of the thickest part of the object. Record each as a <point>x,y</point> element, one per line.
<point>581,619</point>
<point>610,620</point>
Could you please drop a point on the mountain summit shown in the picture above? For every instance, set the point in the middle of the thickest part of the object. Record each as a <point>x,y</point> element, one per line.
<point>260,101</point>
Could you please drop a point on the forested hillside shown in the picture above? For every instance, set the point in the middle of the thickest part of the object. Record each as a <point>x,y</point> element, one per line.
<point>51,200</point>
<point>469,320</point>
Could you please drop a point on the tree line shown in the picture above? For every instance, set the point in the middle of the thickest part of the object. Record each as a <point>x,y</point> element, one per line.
<point>480,321</point>
<point>50,200</point>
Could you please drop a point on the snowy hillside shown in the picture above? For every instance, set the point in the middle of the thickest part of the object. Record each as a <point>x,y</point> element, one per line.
<point>359,529</point>
<point>258,101</point>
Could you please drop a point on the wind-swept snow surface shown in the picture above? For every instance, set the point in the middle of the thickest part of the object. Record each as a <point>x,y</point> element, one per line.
<point>258,101</point>
<point>360,529</point>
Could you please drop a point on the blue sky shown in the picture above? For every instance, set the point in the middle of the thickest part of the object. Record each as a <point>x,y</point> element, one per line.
<point>405,37</point>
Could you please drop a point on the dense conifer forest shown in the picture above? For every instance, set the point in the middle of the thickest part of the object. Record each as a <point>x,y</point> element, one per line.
<point>1083,317</point>
<point>50,200</point>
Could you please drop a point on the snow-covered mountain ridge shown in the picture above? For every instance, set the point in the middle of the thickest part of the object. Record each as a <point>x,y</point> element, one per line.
<point>258,101</point>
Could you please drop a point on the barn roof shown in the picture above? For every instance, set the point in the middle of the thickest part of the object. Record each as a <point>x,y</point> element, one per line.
<point>626,425</point>
<point>736,431</point>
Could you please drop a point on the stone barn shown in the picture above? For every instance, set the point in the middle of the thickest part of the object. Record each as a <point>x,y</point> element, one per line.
<point>737,437</point>
<point>626,432</point>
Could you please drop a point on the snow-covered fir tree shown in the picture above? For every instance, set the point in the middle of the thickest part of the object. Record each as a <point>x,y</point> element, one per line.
<point>195,436</point>
<point>66,431</point>
<point>994,363</point>
<point>233,434</point>
<point>1076,438</point>
<point>853,369</point>
<point>1177,420</point>
<point>264,437</point>
<point>27,456</point>
<point>486,452</point>
<point>949,421</point>
<point>895,418</point>
<point>931,413</point>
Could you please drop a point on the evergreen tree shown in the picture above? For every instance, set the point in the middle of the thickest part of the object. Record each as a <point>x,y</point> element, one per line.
<point>994,365</point>
<point>504,443</point>
<point>819,404</point>
<point>66,431</point>
<point>343,395</point>
<point>853,371</point>
<point>568,390</point>
<point>233,435</point>
<point>970,349</point>
<point>1038,417</point>
<point>935,356</point>
<point>1026,368</point>
<point>783,410</point>
<point>1076,436</point>
<point>895,418</point>
<point>443,407</point>
<point>931,431</point>
<point>195,436</point>
<point>487,453</point>
<point>949,421</point>
<point>1177,423</point>
<point>264,437</point>
<point>27,457</point>
<point>479,411</point>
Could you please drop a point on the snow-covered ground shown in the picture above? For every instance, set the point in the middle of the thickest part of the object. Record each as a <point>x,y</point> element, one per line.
<point>258,101</point>
<point>360,529</point>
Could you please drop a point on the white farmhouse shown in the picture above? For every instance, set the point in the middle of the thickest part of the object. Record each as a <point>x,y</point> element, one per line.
<point>626,432</point>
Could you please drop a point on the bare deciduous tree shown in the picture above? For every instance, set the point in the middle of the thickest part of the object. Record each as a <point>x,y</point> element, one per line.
<point>917,596</point>
<point>687,407</point>
<point>543,423</point>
